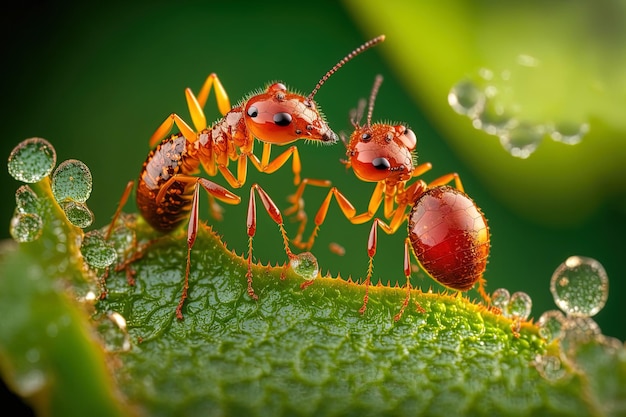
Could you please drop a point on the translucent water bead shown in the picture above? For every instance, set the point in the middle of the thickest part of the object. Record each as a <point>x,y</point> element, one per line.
<point>26,201</point>
<point>77,213</point>
<point>71,181</point>
<point>32,160</point>
<point>96,251</point>
<point>551,325</point>
<point>519,306</point>
<point>500,299</point>
<point>580,286</point>
<point>26,227</point>
<point>305,265</point>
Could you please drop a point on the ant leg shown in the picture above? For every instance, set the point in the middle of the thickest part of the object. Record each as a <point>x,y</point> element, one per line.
<point>195,104</point>
<point>214,190</point>
<point>446,179</point>
<point>223,102</point>
<point>407,273</point>
<point>215,209</point>
<point>344,204</point>
<point>296,198</point>
<point>274,213</point>
<point>371,251</point>
<point>348,211</point>
<point>166,127</point>
<point>120,206</point>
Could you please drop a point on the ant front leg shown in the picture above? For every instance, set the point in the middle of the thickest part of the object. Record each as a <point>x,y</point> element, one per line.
<point>270,166</point>
<point>297,206</point>
<point>348,210</point>
<point>274,213</point>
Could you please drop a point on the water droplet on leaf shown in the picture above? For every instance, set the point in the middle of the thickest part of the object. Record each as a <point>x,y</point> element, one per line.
<point>112,328</point>
<point>71,181</point>
<point>77,213</point>
<point>570,134</point>
<point>98,253</point>
<point>32,160</point>
<point>522,140</point>
<point>578,330</point>
<point>26,200</point>
<point>551,325</point>
<point>305,265</point>
<point>466,98</point>
<point>550,367</point>
<point>26,227</point>
<point>519,306</point>
<point>580,286</point>
<point>500,299</point>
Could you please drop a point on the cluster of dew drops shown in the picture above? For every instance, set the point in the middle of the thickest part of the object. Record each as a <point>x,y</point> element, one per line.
<point>580,287</point>
<point>34,160</point>
<point>482,99</point>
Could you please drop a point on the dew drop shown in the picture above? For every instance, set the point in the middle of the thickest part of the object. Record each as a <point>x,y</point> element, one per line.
<point>305,265</point>
<point>551,325</point>
<point>26,200</point>
<point>466,98</point>
<point>71,181</point>
<point>570,134</point>
<point>29,382</point>
<point>32,160</point>
<point>98,253</point>
<point>519,306</point>
<point>112,328</point>
<point>77,213</point>
<point>26,227</point>
<point>578,330</point>
<point>550,367</point>
<point>522,140</point>
<point>500,299</point>
<point>580,286</point>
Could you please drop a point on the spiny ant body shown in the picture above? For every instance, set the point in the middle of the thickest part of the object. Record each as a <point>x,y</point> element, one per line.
<point>447,232</point>
<point>168,187</point>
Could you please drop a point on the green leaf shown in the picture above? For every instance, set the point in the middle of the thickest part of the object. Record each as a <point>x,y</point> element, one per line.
<point>293,351</point>
<point>548,70</point>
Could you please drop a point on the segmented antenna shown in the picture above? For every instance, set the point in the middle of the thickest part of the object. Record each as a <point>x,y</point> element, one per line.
<point>377,82</point>
<point>347,58</point>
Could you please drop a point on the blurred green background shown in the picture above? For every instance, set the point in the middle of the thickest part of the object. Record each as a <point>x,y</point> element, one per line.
<point>96,80</point>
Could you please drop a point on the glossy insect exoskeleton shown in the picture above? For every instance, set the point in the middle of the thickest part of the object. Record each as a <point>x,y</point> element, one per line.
<point>447,232</point>
<point>168,187</point>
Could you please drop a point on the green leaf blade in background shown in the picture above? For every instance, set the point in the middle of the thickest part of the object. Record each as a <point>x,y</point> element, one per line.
<point>574,78</point>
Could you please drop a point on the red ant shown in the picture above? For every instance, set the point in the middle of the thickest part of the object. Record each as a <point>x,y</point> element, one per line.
<point>447,231</point>
<point>168,189</point>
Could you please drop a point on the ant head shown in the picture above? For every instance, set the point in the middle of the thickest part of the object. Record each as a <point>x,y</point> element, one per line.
<point>381,151</point>
<point>280,117</point>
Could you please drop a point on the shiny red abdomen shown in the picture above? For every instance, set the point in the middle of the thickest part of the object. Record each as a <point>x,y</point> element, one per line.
<point>450,237</point>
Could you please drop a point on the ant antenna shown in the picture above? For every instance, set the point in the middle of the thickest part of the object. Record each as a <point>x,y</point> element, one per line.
<point>344,60</point>
<point>377,82</point>
<point>356,115</point>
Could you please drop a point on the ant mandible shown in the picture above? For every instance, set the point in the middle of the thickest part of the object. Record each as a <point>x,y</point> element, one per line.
<point>168,189</point>
<point>446,230</point>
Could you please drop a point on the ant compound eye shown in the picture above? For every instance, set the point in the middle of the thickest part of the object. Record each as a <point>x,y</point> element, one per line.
<point>282,119</point>
<point>366,136</point>
<point>253,111</point>
<point>381,163</point>
<point>409,139</point>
